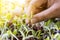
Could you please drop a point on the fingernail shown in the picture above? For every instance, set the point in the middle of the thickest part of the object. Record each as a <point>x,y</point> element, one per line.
<point>33,21</point>
<point>28,21</point>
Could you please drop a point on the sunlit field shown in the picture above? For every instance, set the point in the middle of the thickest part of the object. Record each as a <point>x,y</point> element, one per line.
<point>13,26</point>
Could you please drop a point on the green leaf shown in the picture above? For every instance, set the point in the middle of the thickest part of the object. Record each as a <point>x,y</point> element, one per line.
<point>58,37</point>
<point>9,31</point>
<point>15,31</point>
<point>47,38</point>
<point>58,24</point>
<point>48,22</point>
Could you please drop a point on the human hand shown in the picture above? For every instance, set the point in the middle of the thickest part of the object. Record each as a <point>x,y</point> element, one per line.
<point>52,12</point>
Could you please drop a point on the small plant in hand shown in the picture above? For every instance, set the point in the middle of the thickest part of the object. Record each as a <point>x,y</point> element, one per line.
<point>16,29</point>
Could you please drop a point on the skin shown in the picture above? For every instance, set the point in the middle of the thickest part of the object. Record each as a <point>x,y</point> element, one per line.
<point>53,11</point>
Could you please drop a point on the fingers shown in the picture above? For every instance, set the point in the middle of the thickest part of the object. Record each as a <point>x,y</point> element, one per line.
<point>51,12</point>
<point>35,6</point>
<point>40,17</point>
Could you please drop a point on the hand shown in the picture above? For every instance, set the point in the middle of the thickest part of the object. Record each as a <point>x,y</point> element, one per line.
<point>52,12</point>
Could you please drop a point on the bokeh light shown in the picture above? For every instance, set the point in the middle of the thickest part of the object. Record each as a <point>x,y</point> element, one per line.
<point>11,6</point>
